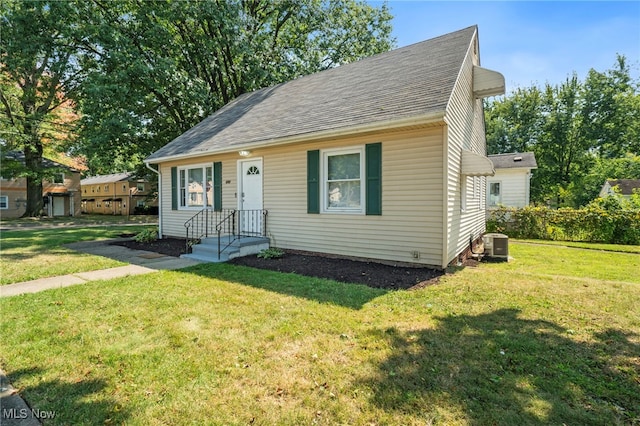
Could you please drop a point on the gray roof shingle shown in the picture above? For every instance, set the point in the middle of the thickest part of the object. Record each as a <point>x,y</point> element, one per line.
<point>408,82</point>
<point>111,178</point>
<point>626,186</point>
<point>514,160</point>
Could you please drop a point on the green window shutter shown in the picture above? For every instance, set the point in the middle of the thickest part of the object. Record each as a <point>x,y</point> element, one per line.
<point>217,186</point>
<point>174,188</point>
<point>313,181</point>
<point>373,171</point>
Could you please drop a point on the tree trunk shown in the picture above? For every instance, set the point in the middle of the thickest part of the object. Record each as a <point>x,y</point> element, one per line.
<point>33,163</point>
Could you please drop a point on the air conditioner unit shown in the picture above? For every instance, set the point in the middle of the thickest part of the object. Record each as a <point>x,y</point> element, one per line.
<point>496,245</point>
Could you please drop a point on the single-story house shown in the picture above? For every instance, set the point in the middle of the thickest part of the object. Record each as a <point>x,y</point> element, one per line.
<point>116,194</point>
<point>621,187</point>
<point>61,194</point>
<point>511,185</point>
<point>383,158</point>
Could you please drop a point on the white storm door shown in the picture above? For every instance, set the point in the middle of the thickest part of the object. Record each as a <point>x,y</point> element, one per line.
<point>58,206</point>
<point>250,197</point>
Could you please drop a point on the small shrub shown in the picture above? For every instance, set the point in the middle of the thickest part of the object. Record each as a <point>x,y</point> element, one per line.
<point>147,236</point>
<point>271,253</point>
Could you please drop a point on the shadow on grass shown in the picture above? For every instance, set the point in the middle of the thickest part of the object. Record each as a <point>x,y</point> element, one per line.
<point>64,402</point>
<point>353,296</point>
<point>500,369</point>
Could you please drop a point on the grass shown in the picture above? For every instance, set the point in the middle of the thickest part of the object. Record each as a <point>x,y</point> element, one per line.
<point>29,254</point>
<point>82,220</point>
<point>589,246</point>
<point>533,341</point>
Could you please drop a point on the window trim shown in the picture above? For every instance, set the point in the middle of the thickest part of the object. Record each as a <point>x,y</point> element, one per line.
<point>324,165</point>
<point>205,201</point>
<point>6,202</point>
<point>499,182</point>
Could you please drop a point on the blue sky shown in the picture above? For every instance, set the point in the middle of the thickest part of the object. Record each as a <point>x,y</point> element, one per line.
<point>531,42</point>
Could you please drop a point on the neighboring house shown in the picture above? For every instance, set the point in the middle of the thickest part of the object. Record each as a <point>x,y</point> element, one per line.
<point>115,194</point>
<point>622,187</point>
<point>511,185</point>
<point>380,159</point>
<point>61,195</point>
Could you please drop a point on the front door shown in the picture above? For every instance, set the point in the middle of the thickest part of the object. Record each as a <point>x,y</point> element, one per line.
<point>250,196</point>
<point>58,206</point>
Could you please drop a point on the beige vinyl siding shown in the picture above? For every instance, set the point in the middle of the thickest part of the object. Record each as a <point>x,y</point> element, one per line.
<point>173,220</point>
<point>465,129</point>
<point>411,202</point>
<point>411,219</point>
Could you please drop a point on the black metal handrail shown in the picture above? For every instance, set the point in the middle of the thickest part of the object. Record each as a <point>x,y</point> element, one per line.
<point>227,222</point>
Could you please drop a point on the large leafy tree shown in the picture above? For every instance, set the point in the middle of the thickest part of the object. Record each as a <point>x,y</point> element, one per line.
<point>161,67</point>
<point>573,128</point>
<point>612,111</point>
<point>39,72</point>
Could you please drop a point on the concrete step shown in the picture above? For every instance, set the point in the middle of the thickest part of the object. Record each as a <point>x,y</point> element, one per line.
<point>207,250</point>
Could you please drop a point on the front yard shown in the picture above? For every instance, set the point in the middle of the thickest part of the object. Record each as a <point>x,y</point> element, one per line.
<point>552,337</point>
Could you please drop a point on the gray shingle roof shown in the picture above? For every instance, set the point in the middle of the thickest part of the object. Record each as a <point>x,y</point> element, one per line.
<point>46,163</point>
<point>412,81</point>
<point>514,160</point>
<point>114,177</point>
<point>626,186</point>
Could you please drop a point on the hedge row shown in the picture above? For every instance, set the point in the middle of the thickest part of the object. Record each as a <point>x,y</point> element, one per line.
<point>592,224</point>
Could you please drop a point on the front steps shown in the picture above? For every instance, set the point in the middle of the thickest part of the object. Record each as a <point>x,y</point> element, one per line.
<point>207,250</point>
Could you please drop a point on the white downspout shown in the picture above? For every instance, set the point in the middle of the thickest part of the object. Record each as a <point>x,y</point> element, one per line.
<point>159,197</point>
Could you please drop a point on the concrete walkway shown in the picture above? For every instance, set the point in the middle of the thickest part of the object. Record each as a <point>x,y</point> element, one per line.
<point>140,262</point>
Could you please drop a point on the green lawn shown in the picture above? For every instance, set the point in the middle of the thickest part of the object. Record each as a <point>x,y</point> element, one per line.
<point>29,254</point>
<point>540,340</point>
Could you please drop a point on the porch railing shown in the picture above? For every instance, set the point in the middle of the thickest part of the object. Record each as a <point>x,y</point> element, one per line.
<point>230,223</point>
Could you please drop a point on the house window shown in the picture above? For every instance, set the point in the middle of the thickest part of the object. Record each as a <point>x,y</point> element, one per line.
<point>124,187</point>
<point>343,186</point>
<point>140,187</point>
<point>4,202</point>
<point>196,186</point>
<point>58,178</point>
<point>140,203</point>
<point>495,194</point>
<point>106,188</point>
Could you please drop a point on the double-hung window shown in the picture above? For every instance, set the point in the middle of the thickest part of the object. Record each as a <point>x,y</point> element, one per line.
<point>343,185</point>
<point>4,202</point>
<point>196,186</point>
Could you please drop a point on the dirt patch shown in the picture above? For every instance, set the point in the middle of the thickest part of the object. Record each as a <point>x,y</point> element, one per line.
<point>167,246</point>
<point>373,274</point>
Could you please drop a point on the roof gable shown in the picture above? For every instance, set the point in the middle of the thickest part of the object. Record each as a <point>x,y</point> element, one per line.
<point>524,160</point>
<point>412,81</point>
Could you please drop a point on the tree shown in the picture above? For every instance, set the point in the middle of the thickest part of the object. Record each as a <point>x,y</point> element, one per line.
<point>159,70</point>
<point>588,186</point>
<point>562,148</point>
<point>514,123</point>
<point>573,128</point>
<point>612,111</point>
<point>39,72</point>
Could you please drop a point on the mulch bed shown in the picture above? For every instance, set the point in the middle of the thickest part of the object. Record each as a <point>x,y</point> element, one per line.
<point>372,274</point>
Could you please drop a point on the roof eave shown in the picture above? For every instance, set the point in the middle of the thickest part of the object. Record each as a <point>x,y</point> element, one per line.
<point>425,119</point>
